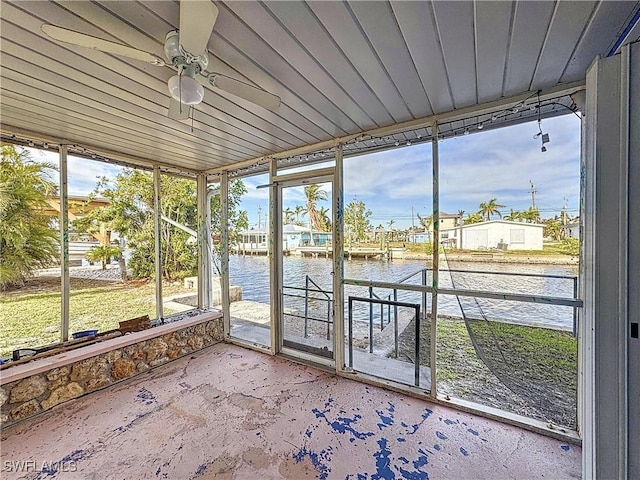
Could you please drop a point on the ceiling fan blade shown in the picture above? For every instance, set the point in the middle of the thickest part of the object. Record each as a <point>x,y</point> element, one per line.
<point>246,91</point>
<point>178,111</point>
<point>87,41</point>
<point>197,19</point>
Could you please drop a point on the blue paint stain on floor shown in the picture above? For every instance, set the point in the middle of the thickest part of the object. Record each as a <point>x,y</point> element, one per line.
<point>342,424</point>
<point>146,396</point>
<point>201,469</point>
<point>417,475</point>
<point>383,462</point>
<point>566,448</point>
<point>318,460</point>
<point>386,420</point>
<point>464,452</point>
<point>414,428</point>
<point>133,422</point>
<point>437,447</point>
<point>449,422</point>
<point>388,469</point>
<point>186,386</point>
<point>53,468</point>
<point>472,431</point>
<point>422,460</point>
<point>387,465</point>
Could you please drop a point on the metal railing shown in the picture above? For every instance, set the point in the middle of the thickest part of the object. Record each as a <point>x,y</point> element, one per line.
<point>425,289</point>
<point>308,297</point>
<point>373,295</point>
<point>497,295</point>
<point>390,304</point>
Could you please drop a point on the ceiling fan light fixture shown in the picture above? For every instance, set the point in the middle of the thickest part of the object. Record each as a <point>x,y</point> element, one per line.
<point>186,89</point>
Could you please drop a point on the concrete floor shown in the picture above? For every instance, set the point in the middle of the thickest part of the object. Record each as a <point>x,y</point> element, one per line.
<point>229,412</point>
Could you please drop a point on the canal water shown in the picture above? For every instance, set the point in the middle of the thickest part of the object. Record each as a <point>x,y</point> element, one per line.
<point>252,273</point>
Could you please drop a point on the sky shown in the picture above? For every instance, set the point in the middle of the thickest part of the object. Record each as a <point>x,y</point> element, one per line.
<point>473,168</point>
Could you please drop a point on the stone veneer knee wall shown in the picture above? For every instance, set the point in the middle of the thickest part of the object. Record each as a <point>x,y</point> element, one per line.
<point>42,390</point>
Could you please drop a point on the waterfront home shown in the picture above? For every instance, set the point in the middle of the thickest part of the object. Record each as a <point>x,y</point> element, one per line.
<point>293,237</point>
<point>500,234</point>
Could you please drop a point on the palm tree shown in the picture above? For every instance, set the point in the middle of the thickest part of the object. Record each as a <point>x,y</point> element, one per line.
<point>102,253</point>
<point>390,223</point>
<point>288,215</point>
<point>473,218</point>
<point>532,215</point>
<point>490,208</point>
<point>324,219</point>
<point>297,211</point>
<point>27,241</point>
<point>514,215</point>
<point>314,194</point>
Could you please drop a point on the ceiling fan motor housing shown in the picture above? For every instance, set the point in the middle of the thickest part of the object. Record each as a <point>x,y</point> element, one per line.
<point>179,57</point>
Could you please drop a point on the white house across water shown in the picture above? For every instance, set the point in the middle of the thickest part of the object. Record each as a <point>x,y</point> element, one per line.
<point>499,234</point>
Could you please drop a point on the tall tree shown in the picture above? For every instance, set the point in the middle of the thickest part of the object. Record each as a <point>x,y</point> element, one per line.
<point>130,213</point>
<point>325,220</point>
<point>472,218</point>
<point>288,215</point>
<point>490,208</point>
<point>514,215</point>
<point>237,219</point>
<point>314,194</point>
<point>531,215</point>
<point>356,220</point>
<point>27,240</point>
<point>297,211</point>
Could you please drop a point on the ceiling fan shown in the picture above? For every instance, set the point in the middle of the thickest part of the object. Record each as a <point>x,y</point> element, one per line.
<point>186,52</point>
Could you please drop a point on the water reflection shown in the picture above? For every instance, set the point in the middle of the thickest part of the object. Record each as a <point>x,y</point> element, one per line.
<point>252,273</point>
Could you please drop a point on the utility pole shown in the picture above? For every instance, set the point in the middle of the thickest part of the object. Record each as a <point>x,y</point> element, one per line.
<point>533,196</point>
<point>259,217</point>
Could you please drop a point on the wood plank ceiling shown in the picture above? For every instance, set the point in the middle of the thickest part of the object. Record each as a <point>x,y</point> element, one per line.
<point>340,68</point>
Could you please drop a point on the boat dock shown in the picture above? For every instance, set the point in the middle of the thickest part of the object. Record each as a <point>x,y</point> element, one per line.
<point>327,252</point>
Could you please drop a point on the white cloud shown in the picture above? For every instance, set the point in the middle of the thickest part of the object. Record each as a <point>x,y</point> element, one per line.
<point>82,173</point>
<point>475,168</point>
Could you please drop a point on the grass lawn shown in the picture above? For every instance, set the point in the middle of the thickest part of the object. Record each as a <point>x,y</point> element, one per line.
<point>526,370</point>
<point>548,248</point>
<point>30,316</point>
